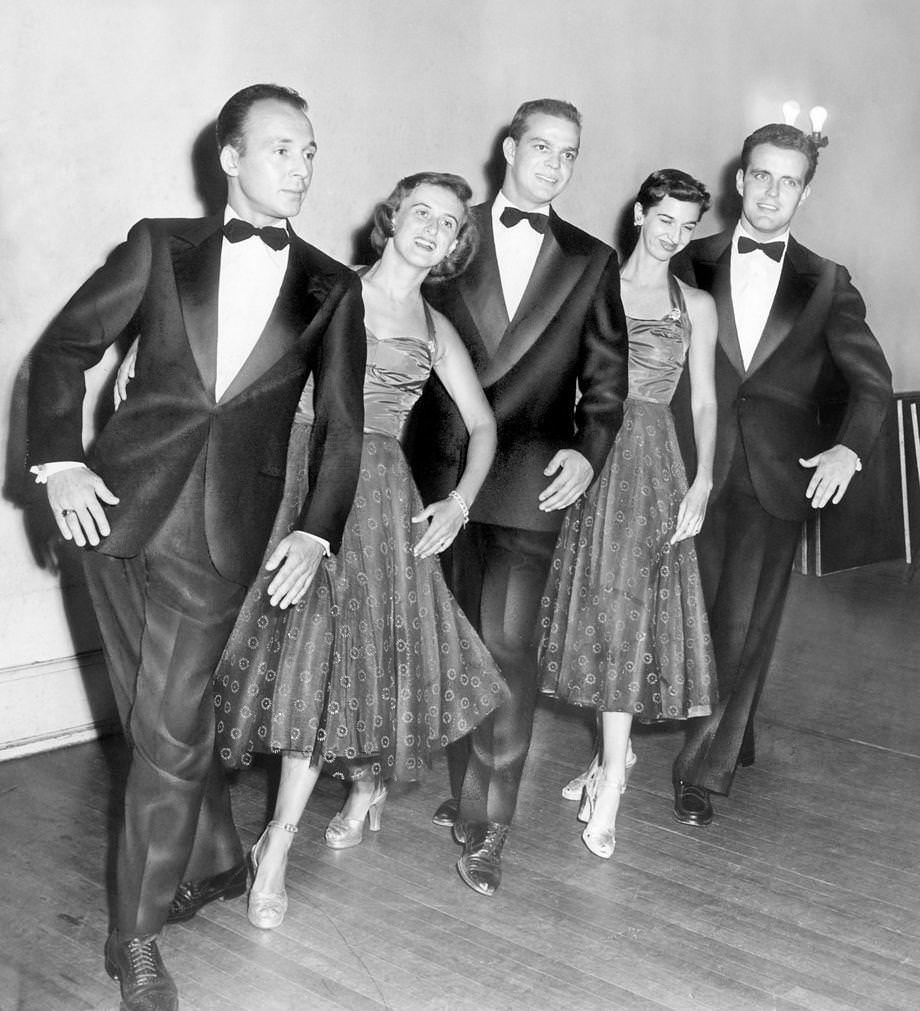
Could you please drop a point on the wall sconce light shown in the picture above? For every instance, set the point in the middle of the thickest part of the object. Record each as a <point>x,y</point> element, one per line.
<point>817,117</point>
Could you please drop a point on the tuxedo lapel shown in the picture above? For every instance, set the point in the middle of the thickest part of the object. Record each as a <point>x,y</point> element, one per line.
<point>715,276</point>
<point>792,294</point>
<point>550,282</point>
<point>481,289</point>
<point>196,267</point>
<point>287,319</point>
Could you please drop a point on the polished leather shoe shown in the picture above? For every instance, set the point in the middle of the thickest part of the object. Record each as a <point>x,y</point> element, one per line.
<point>447,813</point>
<point>481,863</point>
<point>192,895</point>
<point>145,983</point>
<point>691,804</point>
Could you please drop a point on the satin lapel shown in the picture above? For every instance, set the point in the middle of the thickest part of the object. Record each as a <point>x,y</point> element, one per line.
<point>197,271</point>
<point>719,285</point>
<point>481,288</point>
<point>290,314</point>
<point>792,294</point>
<point>549,284</point>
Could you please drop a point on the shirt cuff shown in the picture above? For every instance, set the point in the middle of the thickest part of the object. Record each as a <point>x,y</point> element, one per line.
<point>44,470</point>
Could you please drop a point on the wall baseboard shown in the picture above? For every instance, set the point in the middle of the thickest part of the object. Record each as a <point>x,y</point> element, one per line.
<point>55,703</point>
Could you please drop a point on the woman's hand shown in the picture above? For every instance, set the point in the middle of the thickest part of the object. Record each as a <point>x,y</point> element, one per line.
<point>446,519</point>
<point>124,375</point>
<point>692,511</point>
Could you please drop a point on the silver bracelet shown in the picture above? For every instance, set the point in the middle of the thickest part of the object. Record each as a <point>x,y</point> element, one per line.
<point>464,508</point>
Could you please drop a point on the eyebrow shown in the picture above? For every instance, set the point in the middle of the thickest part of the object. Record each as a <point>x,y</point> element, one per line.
<point>756,168</point>
<point>423,203</point>
<point>290,141</point>
<point>544,140</point>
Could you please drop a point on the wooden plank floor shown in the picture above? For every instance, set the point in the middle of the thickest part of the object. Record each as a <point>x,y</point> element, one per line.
<point>804,892</point>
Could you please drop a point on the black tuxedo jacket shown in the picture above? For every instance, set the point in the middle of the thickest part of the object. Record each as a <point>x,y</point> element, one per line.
<point>568,331</point>
<point>816,350</point>
<point>161,283</point>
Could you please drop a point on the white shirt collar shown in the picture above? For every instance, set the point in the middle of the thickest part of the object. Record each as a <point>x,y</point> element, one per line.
<point>501,202</point>
<point>741,230</point>
<point>230,214</point>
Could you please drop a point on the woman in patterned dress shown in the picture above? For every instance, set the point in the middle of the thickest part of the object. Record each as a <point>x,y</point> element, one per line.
<point>624,626</point>
<point>376,666</point>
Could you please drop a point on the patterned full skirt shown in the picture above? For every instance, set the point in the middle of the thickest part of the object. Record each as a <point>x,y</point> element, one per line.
<point>377,661</point>
<point>623,621</point>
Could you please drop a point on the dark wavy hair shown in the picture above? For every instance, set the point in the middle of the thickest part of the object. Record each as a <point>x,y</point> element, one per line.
<point>542,106</point>
<point>781,135</point>
<point>231,120</point>
<point>467,235</point>
<point>671,182</point>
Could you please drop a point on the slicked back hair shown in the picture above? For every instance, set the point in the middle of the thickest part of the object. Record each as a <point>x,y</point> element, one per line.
<point>231,121</point>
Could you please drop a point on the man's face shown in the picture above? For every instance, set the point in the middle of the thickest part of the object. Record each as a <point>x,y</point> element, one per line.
<point>540,164</point>
<point>268,179</point>
<point>771,189</point>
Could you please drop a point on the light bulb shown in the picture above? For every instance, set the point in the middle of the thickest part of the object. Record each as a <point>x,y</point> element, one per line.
<point>818,117</point>
<point>791,110</point>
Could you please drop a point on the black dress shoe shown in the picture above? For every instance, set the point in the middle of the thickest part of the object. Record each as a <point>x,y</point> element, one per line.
<point>446,814</point>
<point>192,895</point>
<point>481,863</point>
<point>691,804</point>
<point>145,983</point>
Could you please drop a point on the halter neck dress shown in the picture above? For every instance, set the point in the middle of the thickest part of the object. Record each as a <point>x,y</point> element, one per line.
<point>623,621</point>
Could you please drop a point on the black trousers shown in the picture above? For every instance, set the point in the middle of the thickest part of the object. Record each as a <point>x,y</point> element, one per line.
<point>745,557</point>
<point>165,616</point>
<point>498,578</point>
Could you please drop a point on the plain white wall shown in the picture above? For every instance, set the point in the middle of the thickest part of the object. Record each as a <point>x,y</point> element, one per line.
<point>103,101</point>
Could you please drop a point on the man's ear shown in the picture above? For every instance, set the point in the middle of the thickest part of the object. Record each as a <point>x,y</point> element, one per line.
<point>509,147</point>
<point>739,182</point>
<point>806,193</point>
<point>230,160</point>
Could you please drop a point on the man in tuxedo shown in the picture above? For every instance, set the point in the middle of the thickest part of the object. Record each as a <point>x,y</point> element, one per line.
<point>792,339</point>
<point>178,494</point>
<point>539,311</point>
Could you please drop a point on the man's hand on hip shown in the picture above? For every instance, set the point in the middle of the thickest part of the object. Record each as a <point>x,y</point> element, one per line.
<point>573,477</point>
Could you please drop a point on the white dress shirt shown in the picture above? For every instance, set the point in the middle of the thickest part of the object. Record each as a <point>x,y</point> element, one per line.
<point>755,278</point>
<point>516,250</point>
<point>250,278</point>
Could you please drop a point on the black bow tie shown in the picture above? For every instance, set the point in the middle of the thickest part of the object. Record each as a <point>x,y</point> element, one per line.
<point>772,249</point>
<point>236,231</point>
<point>510,216</point>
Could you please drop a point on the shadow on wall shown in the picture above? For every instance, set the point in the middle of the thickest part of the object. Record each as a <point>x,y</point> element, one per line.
<point>48,548</point>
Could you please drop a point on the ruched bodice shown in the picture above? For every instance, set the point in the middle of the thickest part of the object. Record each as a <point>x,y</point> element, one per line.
<point>396,373</point>
<point>657,349</point>
<point>397,370</point>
